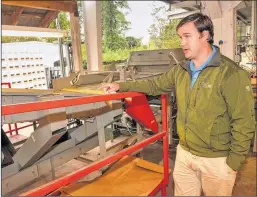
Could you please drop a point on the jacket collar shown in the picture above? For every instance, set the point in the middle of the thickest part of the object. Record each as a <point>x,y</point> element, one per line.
<point>215,61</point>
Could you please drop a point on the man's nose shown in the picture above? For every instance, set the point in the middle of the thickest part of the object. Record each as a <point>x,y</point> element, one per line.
<point>183,42</point>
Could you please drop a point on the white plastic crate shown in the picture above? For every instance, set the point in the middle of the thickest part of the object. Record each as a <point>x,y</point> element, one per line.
<point>22,67</point>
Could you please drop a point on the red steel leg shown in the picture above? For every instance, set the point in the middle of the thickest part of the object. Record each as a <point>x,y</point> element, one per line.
<point>16,128</point>
<point>165,140</point>
<point>164,192</point>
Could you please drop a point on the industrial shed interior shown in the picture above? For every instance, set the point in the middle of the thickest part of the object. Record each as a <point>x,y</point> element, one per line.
<point>85,142</point>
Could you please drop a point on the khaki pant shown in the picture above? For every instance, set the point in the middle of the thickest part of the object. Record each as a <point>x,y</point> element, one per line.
<point>193,174</point>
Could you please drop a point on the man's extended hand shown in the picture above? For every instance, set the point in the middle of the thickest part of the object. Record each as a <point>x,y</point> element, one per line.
<point>110,87</point>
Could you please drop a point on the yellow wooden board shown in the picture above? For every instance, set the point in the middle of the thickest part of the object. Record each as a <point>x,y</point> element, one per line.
<point>128,177</point>
<point>87,90</point>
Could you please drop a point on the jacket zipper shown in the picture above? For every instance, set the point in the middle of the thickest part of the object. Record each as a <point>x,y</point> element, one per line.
<point>188,102</point>
<point>196,94</point>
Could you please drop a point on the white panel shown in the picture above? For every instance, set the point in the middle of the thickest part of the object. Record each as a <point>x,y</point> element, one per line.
<point>93,37</point>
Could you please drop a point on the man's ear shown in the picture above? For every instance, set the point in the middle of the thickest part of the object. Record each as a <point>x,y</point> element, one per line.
<point>205,35</point>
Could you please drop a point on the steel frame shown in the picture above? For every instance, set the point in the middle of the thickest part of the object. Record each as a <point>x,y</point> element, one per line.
<point>43,105</point>
<point>16,128</point>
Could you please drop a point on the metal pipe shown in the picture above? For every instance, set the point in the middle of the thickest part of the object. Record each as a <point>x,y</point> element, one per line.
<point>242,19</point>
<point>16,128</point>
<point>60,48</point>
<point>63,181</point>
<point>68,60</point>
<point>165,139</point>
<point>19,128</point>
<point>44,105</point>
<point>156,189</point>
<point>182,15</point>
<point>253,23</point>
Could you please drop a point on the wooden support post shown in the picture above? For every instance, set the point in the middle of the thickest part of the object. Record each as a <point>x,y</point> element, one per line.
<point>48,18</point>
<point>76,42</point>
<point>15,16</point>
<point>93,34</point>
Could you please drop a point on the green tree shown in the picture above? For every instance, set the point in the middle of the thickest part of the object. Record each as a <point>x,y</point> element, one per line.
<point>114,24</point>
<point>163,32</point>
<point>169,37</point>
<point>64,24</point>
<point>133,42</point>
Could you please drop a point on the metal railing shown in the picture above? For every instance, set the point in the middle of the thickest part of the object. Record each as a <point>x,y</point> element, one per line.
<point>66,180</point>
<point>16,128</point>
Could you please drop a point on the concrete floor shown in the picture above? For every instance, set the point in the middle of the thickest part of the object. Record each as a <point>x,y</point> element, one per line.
<point>245,184</point>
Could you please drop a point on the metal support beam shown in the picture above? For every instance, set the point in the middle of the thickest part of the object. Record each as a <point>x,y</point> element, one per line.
<point>253,24</point>
<point>182,15</point>
<point>184,4</point>
<point>242,18</point>
<point>93,34</point>
<point>68,60</point>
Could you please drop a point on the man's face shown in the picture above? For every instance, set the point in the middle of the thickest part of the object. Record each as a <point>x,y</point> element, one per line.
<point>190,40</point>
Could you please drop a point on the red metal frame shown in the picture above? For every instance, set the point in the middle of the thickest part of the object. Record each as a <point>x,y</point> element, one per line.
<point>56,184</point>
<point>16,128</point>
<point>7,84</point>
<point>10,130</point>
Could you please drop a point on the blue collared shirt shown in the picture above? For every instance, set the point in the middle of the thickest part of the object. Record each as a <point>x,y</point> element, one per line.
<point>195,73</point>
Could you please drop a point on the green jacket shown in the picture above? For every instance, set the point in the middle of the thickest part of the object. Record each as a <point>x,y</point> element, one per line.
<point>216,117</point>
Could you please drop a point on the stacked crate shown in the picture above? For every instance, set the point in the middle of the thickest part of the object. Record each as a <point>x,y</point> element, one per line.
<point>23,68</point>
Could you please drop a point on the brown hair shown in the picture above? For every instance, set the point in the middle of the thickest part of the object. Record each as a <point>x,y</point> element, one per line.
<point>202,23</point>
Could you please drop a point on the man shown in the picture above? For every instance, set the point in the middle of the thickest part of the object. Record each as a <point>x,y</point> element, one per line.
<point>215,118</point>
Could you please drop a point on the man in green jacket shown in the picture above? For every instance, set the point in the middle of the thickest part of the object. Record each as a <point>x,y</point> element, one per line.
<point>215,118</point>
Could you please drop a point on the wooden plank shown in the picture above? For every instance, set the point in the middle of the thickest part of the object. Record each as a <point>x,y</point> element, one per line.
<point>51,15</point>
<point>63,82</point>
<point>21,91</point>
<point>76,43</point>
<point>95,78</point>
<point>32,29</point>
<point>65,6</point>
<point>15,16</point>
